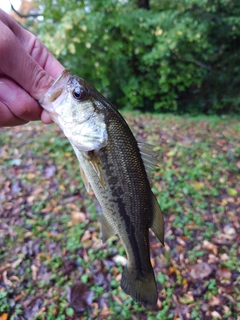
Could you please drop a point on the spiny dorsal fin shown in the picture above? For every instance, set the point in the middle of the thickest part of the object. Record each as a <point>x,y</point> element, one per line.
<point>149,157</point>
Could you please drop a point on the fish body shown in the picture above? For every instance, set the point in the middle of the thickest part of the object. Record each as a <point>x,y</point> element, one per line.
<point>111,163</point>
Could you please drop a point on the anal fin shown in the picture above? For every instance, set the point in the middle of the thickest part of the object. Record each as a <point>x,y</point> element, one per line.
<point>107,229</point>
<point>158,222</point>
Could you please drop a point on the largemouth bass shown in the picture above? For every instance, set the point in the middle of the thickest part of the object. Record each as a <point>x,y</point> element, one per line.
<point>115,166</point>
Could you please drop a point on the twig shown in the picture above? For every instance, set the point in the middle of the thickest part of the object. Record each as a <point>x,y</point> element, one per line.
<point>177,307</point>
<point>21,15</point>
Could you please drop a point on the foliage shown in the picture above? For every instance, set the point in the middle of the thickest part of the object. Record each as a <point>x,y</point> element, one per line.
<point>181,56</point>
<point>53,264</point>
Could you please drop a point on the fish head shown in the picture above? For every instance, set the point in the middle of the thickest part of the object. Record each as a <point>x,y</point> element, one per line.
<point>71,104</point>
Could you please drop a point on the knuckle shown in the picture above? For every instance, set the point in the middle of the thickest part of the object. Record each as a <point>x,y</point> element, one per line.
<point>41,82</point>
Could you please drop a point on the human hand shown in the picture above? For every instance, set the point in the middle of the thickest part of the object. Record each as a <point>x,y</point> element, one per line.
<point>27,70</point>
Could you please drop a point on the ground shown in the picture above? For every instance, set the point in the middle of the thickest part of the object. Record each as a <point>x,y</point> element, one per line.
<point>53,264</point>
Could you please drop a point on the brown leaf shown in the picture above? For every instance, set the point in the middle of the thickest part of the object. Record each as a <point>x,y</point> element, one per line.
<point>210,246</point>
<point>34,309</point>
<point>187,298</point>
<point>224,273</point>
<point>78,216</point>
<point>201,271</point>
<point>80,296</point>
<point>86,236</point>
<point>224,257</point>
<point>215,315</point>
<point>215,301</point>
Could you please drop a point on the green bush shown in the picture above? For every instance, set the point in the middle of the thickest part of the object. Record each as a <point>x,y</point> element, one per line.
<point>176,56</point>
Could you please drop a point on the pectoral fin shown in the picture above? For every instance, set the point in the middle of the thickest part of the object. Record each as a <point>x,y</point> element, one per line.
<point>158,222</point>
<point>94,162</point>
<point>96,165</point>
<point>107,230</point>
<point>85,179</point>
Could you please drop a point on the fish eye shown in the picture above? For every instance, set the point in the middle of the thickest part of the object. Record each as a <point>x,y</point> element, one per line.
<point>78,93</point>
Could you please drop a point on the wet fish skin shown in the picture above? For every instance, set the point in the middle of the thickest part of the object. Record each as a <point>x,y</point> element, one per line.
<point>113,166</point>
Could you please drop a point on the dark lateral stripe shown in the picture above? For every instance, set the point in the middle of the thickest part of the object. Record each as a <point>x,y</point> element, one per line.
<point>132,233</point>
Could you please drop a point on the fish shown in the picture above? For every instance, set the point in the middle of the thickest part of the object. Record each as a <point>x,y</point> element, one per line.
<point>117,168</point>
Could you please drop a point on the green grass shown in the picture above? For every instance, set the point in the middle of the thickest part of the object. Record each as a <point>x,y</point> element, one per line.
<point>50,232</point>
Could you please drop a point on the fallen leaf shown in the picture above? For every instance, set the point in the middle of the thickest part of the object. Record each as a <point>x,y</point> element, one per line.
<point>215,314</point>
<point>6,281</point>
<point>34,272</point>
<point>16,187</point>
<point>201,271</point>
<point>210,246</point>
<point>34,309</point>
<point>229,230</point>
<point>187,298</point>
<point>215,301</point>
<point>49,171</point>
<point>16,263</point>
<point>224,273</point>
<point>86,236</point>
<point>80,296</point>
<point>232,192</point>
<point>78,216</point>
<point>224,257</point>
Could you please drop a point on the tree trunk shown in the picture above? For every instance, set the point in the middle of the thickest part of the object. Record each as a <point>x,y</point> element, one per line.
<point>143,4</point>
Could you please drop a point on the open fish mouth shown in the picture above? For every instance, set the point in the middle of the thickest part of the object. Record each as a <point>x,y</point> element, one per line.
<point>55,90</point>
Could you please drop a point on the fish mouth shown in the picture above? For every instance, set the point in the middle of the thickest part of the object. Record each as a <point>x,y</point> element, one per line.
<point>65,74</point>
<point>56,88</point>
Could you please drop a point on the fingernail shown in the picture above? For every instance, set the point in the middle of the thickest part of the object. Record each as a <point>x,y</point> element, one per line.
<point>7,93</point>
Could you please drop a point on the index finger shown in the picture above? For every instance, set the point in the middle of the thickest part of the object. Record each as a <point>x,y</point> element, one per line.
<point>26,60</point>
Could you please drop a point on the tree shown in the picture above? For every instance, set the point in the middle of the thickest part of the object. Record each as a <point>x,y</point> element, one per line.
<point>150,55</point>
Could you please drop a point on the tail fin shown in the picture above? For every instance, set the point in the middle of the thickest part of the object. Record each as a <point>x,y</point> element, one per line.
<point>142,290</point>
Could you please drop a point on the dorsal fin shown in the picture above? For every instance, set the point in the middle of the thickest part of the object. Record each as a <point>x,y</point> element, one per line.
<point>149,157</point>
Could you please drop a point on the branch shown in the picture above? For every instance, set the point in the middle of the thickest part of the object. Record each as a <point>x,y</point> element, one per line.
<point>196,62</point>
<point>201,64</point>
<point>21,15</point>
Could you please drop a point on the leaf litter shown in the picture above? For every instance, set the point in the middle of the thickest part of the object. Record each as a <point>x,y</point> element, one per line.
<point>53,264</point>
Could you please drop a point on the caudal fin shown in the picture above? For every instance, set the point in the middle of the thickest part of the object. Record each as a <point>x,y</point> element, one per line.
<point>142,290</point>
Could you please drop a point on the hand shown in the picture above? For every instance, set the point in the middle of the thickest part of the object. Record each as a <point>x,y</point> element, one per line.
<point>27,70</point>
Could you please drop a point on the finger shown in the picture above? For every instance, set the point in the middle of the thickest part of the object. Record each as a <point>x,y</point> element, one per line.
<point>15,59</point>
<point>45,117</point>
<point>34,47</point>
<point>7,119</point>
<point>17,103</point>
<point>16,63</point>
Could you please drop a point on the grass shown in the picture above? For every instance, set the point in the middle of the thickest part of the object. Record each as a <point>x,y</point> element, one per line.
<point>53,264</point>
